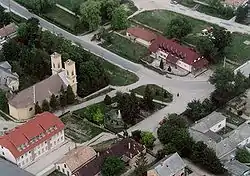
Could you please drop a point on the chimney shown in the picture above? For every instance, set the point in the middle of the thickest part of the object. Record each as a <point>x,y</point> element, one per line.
<point>129,145</point>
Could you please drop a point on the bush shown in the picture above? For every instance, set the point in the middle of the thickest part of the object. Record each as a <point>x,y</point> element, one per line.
<point>243,156</point>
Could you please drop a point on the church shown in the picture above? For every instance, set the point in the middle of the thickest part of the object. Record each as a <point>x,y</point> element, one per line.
<point>22,105</point>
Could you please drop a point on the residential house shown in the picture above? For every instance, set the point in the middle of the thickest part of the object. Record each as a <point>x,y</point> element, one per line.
<point>170,166</point>
<point>236,168</point>
<point>127,149</point>
<point>177,55</point>
<point>244,69</point>
<point>75,159</point>
<point>9,169</point>
<point>7,32</point>
<point>224,146</point>
<point>141,35</point>
<point>26,143</point>
<point>8,80</point>
<point>22,105</point>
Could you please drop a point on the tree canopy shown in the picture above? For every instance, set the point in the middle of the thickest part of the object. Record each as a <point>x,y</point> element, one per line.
<point>3,102</point>
<point>112,166</point>
<point>242,155</point>
<point>147,138</point>
<point>241,14</point>
<point>206,48</point>
<point>222,38</point>
<point>178,28</point>
<point>119,19</point>
<point>5,17</point>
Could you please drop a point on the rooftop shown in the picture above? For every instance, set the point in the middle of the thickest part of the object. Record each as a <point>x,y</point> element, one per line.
<point>9,169</point>
<point>7,125</point>
<point>237,168</point>
<point>37,130</point>
<point>39,91</point>
<point>8,30</point>
<point>244,69</point>
<point>77,157</point>
<point>142,33</point>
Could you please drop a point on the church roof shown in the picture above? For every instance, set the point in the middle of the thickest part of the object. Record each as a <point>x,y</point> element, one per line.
<point>39,91</point>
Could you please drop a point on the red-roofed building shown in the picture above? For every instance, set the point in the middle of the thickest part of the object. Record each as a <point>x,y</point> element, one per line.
<point>178,55</point>
<point>140,35</point>
<point>25,143</point>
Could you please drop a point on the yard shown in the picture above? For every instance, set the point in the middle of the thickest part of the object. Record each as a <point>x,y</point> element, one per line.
<point>232,118</point>
<point>119,76</point>
<point>80,130</point>
<point>125,47</point>
<point>158,93</point>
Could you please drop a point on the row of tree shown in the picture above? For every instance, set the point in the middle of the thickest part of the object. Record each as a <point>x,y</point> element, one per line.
<point>175,137</point>
<point>223,10</point>
<point>29,55</point>
<point>67,97</point>
<point>5,17</point>
<point>38,6</point>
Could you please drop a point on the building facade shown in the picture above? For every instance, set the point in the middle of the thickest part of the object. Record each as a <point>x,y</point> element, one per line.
<point>26,143</point>
<point>22,104</point>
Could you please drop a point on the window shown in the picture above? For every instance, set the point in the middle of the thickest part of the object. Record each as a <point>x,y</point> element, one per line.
<point>58,167</point>
<point>219,125</point>
<point>67,72</point>
<point>21,156</point>
<point>63,170</point>
<point>54,65</point>
<point>62,138</point>
<point>3,153</point>
<point>68,173</point>
<point>31,109</point>
<point>65,166</point>
<point>72,73</point>
<point>58,65</point>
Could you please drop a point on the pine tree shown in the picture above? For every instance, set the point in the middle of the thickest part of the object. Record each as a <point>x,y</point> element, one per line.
<point>107,100</point>
<point>141,165</point>
<point>45,105</point>
<point>63,100</point>
<point>37,108</point>
<point>53,102</point>
<point>148,98</point>
<point>70,96</point>
<point>161,64</point>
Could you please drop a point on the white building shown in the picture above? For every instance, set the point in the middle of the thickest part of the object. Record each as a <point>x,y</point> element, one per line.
<point>26,143</point>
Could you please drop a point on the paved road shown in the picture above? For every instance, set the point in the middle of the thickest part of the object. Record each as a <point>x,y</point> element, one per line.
<point>165,4</point>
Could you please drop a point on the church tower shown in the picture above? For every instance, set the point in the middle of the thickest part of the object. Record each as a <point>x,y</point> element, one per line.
<point>56,63</point>
<point>70,69</point>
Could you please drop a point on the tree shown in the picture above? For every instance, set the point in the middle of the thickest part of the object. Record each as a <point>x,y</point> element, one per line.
<point>45,105</point>
<point>161,64</point>
<point>141,165</point>
<point>107,7</point>
<point>242,155</point>
<point>38,109</point>
<point>222,38</point>
<point>136,135</point>
<point>119,19</point>
<point>90,14</point>
<point>98,116</point>
<point>107,100</point>
<point>112,166</point>
<point>169,149</point>
<point>53,102</point>
<point>178,28</point>
<point>3,102</point>
<point>169,69</point>
<point>70,96</point>
<point>148,98</point>
<point>63,100</point>
<point>241,14</point>
<point>5,17</point>
<point>147,139</point>
<point>206,48</point>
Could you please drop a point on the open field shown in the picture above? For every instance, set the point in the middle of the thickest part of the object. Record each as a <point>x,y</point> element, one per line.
<point>158,92</point>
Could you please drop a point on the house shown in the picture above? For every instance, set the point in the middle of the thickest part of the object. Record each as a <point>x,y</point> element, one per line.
<point>8,31</point>
<point>170,166</point>
<point>244,69</point>
<point>206,130</point>
<point>236,168</point>
<point>177,55</point>
<point>22,105</point>
<point>9,169</point>
<point>75,159</point>
<point>127,149</point>
<point>8,80</point>
<point>26,143</point>
<point>141,35</point>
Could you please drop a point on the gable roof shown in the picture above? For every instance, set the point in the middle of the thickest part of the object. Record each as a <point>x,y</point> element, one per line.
<point>39,91</point>
<point>142,33</point>
<point>28,131</point>
<point>208,122</point>
<point>170,166</point>
<point>120,149</point>
<point>8,30</point>
<point>237,168</point>
<point>187,55</point>
<point>77,157</point>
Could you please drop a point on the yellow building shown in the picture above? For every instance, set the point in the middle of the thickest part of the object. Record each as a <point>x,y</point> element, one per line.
<point>22,105</point>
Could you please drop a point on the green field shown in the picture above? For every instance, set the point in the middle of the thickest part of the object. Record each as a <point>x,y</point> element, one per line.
<point>158,92</point>
<point>125,48</point>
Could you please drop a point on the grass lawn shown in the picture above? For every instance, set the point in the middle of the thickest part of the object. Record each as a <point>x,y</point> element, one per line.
<point>158,92</point>
<point>80,130</point>
<point>126,48</point>
<point>119,76</point>
<point>238,51</point>
<point>62,17</point>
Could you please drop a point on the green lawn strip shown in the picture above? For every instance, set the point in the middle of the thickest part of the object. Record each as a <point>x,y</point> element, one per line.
<point>211,11</point>
<point>126,48</point>
<point>158,92</point>
<point>119,76</point>
<point>238,51</point>
<point>17,19</point>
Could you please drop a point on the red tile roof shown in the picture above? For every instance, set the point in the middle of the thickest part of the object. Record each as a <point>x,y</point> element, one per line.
<point>142,33</point>
<point>186,54</point>
<point>24,133</point>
